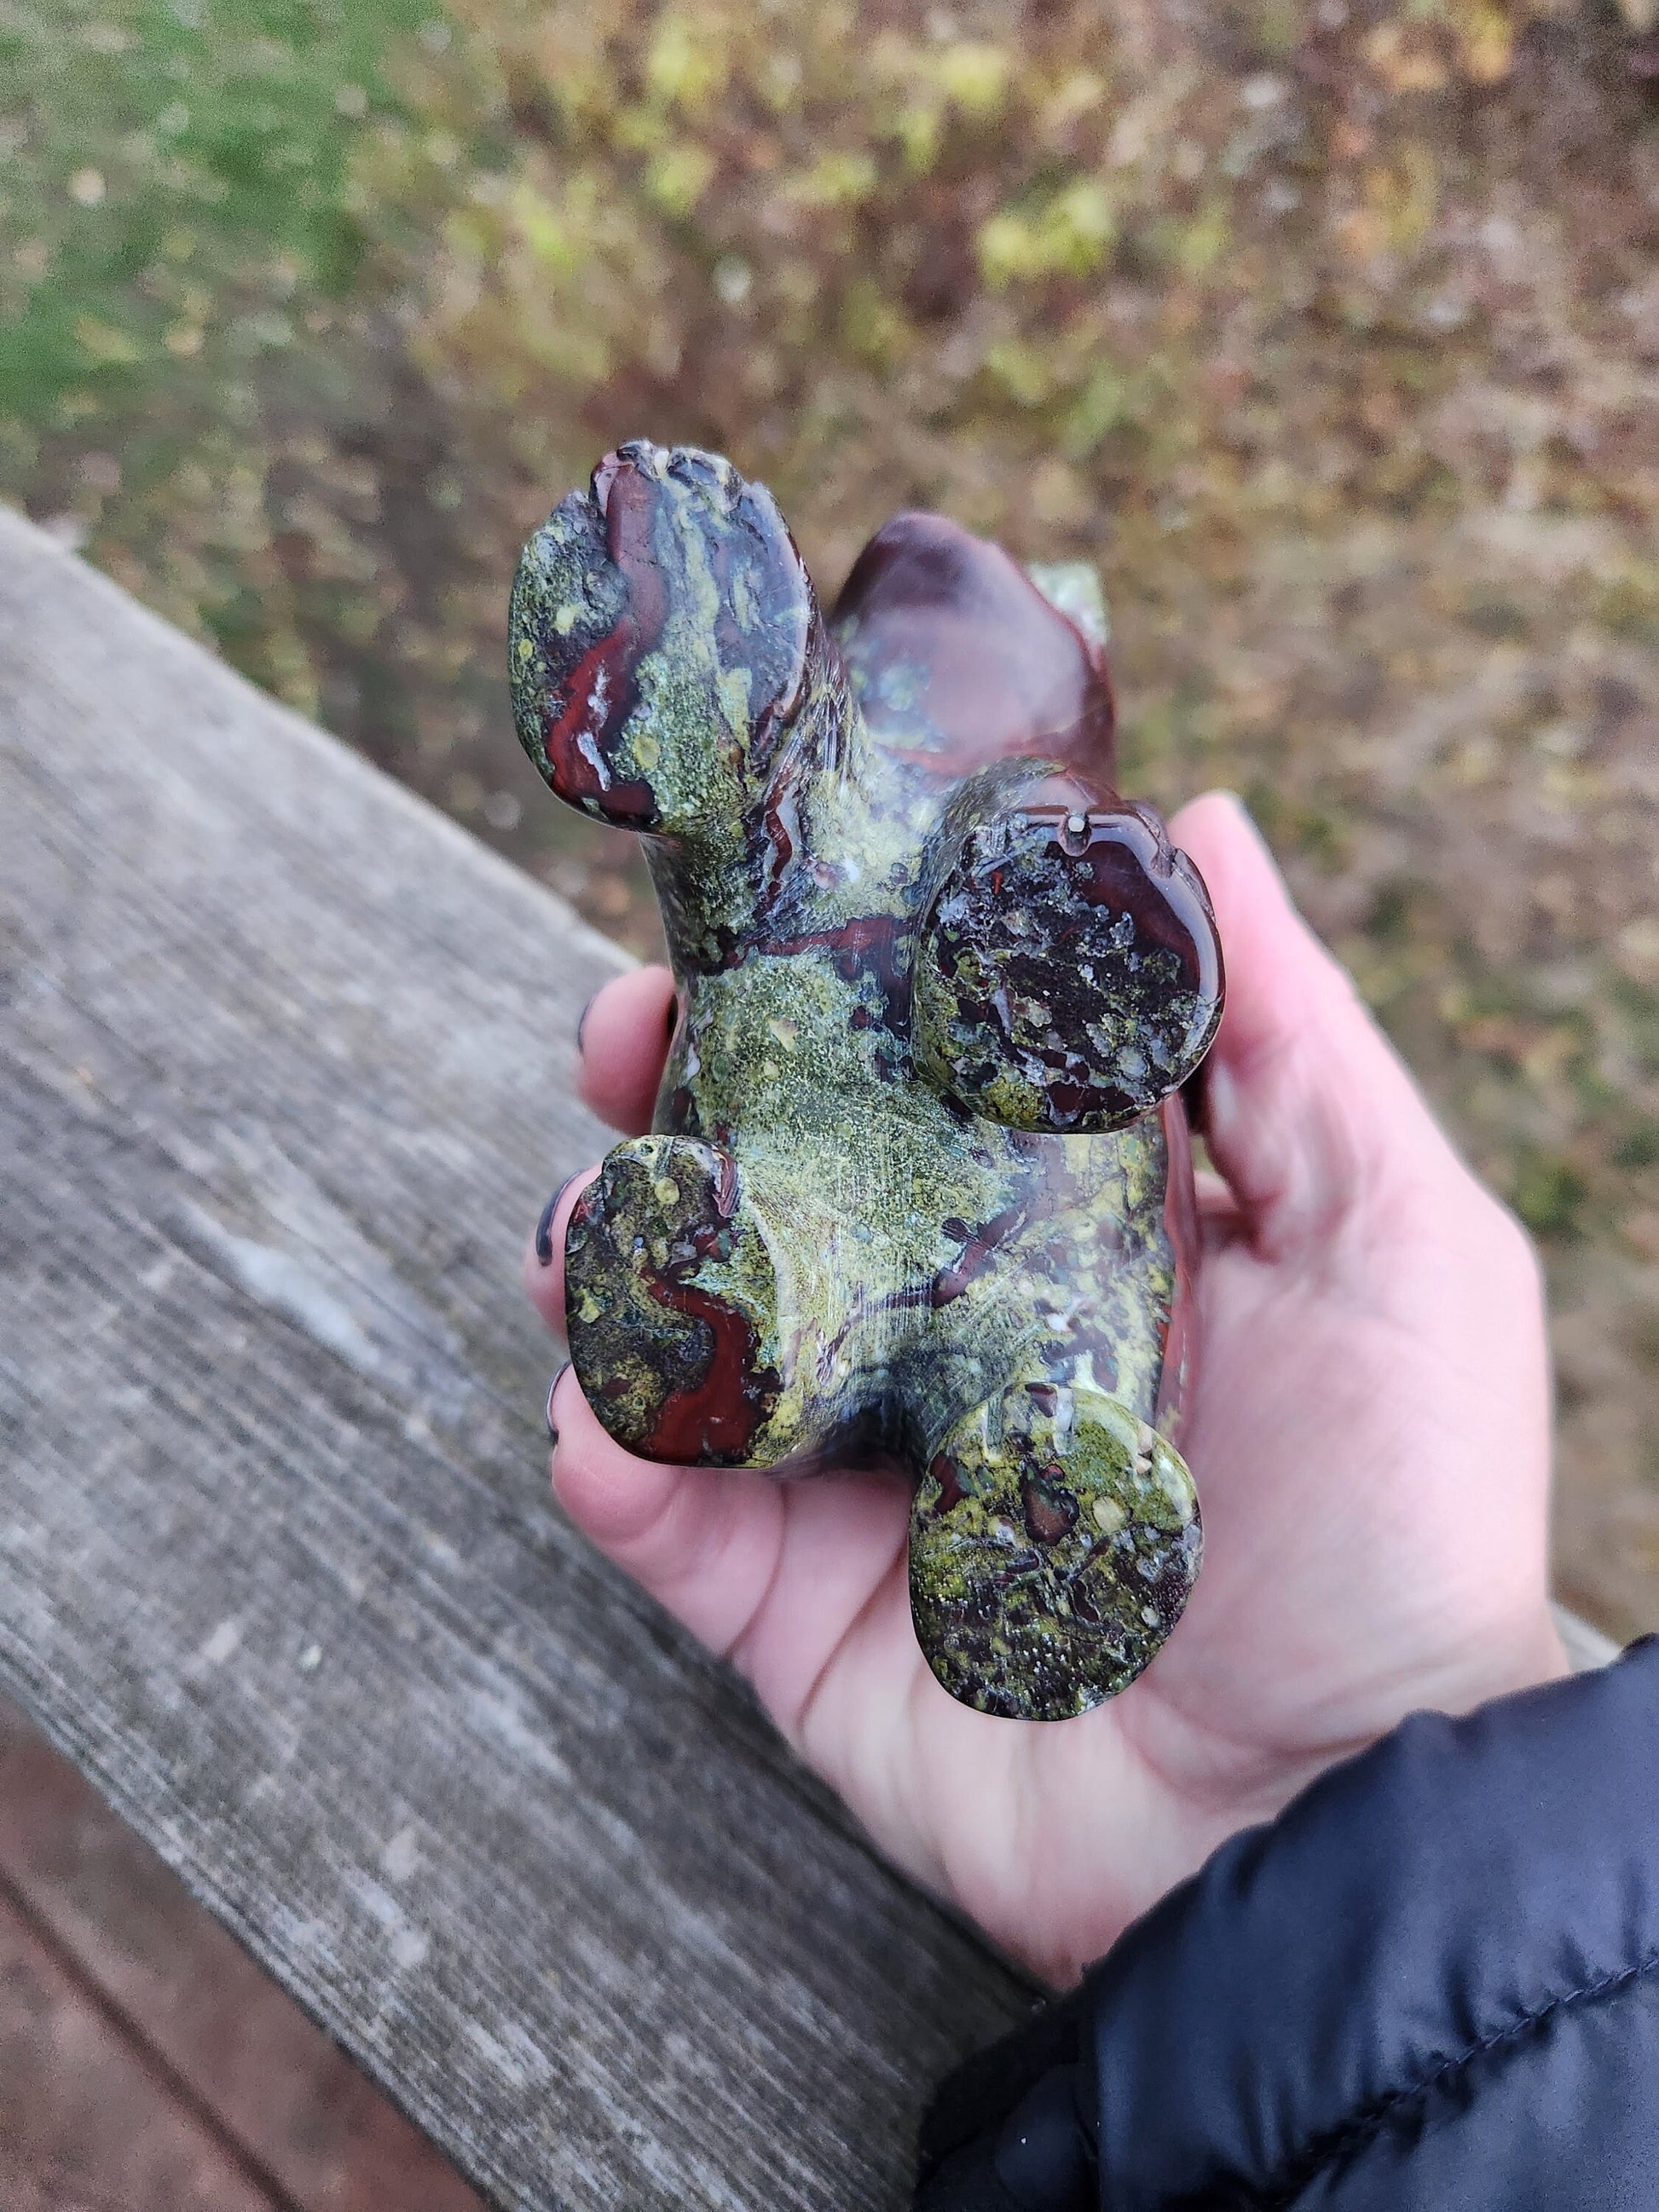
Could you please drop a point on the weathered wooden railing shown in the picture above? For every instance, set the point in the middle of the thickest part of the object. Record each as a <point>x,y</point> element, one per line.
<point>285,1068</point>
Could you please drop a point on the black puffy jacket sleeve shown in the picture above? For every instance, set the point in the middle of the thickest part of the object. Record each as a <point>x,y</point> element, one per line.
<point>1431,1984</point>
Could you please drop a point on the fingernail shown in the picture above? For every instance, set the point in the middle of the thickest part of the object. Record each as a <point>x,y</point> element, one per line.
<point>544,1227</point>
<point>581,1019</point>
<point>552,1426</point>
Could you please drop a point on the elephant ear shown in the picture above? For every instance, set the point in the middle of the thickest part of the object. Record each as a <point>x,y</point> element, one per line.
<point>958,660</point>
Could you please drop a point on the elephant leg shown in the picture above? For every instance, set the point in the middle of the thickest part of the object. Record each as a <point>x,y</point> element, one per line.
<point>1055,1540</point>
<point>671,1306</point>
<point>1069,974</point>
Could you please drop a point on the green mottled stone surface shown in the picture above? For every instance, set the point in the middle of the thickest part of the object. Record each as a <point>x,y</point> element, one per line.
<point>920,1189</point>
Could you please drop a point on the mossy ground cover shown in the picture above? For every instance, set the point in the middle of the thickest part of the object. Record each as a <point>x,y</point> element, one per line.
<point>1329,328</point>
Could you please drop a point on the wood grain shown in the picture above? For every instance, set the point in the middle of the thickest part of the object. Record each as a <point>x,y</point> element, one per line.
<point>285,1071</point>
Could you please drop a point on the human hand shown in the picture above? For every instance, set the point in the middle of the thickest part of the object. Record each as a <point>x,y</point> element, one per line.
<point>1368,1424</point>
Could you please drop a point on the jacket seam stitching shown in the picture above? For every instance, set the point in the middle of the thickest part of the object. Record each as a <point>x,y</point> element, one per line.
<point>1363,2127</point>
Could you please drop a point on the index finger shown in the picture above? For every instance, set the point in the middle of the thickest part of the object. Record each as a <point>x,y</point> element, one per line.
<point>623,1042</point>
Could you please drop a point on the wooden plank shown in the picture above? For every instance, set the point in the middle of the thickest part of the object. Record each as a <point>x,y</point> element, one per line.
<point>86,2123</point>
<point>219,2044</point>
<point>285,1066</point>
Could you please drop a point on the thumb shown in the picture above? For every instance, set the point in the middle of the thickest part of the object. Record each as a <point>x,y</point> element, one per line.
<point>1309,1113</point>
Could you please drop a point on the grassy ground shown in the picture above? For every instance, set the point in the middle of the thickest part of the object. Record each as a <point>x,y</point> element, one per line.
<point>1330,328</point>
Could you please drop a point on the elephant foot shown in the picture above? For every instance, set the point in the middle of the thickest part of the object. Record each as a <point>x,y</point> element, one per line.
<point>671,1306</point>
<point>1068,976</point>
<point>1054,1543</point>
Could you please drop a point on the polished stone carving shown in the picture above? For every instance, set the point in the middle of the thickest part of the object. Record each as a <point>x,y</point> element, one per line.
<point>920,1189</point>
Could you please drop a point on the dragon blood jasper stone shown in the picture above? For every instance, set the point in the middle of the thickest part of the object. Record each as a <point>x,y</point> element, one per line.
<point>920,1189</point>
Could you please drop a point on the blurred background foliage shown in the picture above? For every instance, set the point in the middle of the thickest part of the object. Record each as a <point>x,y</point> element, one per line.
<point>1329,328</point>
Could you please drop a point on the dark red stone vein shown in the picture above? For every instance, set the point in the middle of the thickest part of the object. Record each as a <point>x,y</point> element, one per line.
<point>718,1419</point>
<point>609,670</point>
<point>874,945</point>
<point>976,1253</point>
